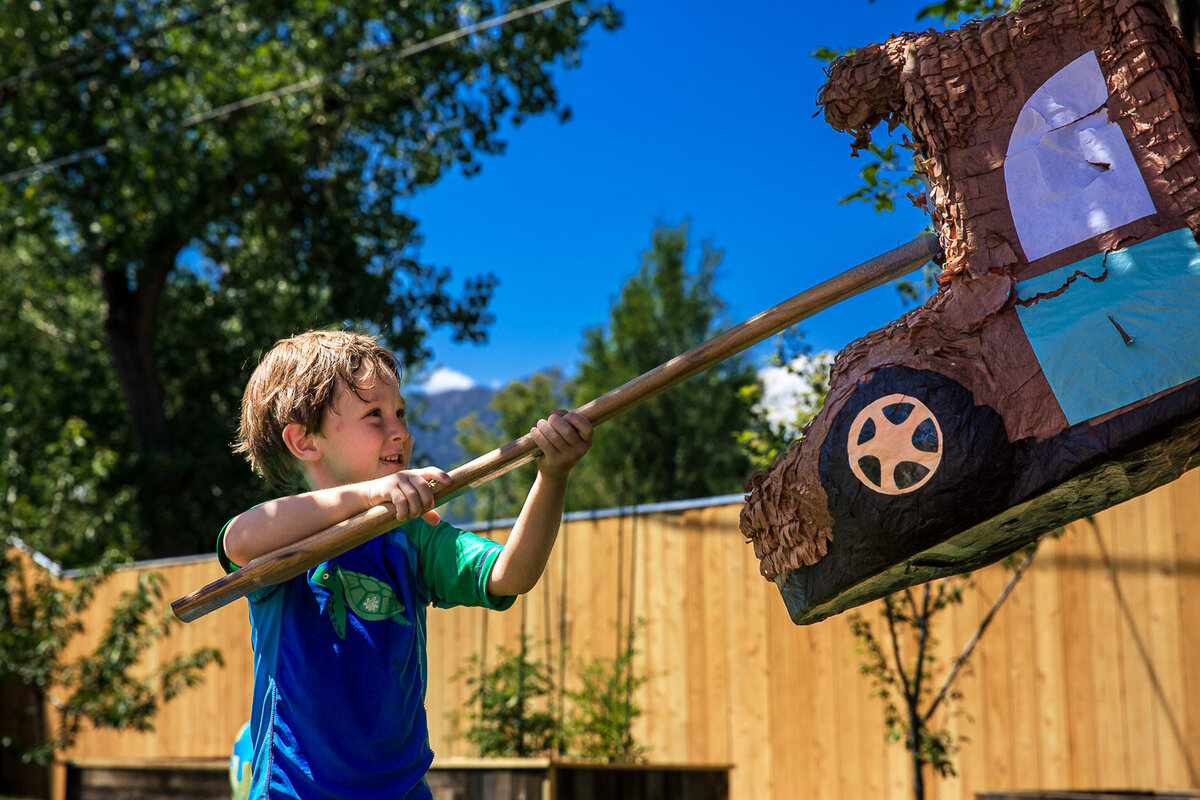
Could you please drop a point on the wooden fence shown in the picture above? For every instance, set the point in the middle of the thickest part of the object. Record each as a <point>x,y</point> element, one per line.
<point>1089,678</point>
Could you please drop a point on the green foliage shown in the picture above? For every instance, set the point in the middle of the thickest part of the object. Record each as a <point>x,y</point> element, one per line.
<point>885,178</point>
<point>902,676</point>
<point>828,54</point>
<point>511,710</point>
<point>770,437</point>
<point>679,444</point>
<point>601,727</point>
<point>168,244</point>
<point>64,503</point>
<point>39,616</point>
<point>518,406</point>
<point>953,10</point>
<point>60,469</point>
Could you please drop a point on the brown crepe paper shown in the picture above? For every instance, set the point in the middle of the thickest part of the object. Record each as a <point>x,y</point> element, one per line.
<point>958,93</point>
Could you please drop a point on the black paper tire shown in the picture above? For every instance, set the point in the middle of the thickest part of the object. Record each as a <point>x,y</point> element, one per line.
<point>911,459</point>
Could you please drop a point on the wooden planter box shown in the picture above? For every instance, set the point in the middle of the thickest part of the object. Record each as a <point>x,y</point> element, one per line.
<point>546,779</point>
<point>1122,794</point>
<point>482,779</point>
<point>96,779</point>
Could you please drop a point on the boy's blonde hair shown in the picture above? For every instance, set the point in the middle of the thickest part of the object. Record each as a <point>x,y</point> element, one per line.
<point>297,381</point>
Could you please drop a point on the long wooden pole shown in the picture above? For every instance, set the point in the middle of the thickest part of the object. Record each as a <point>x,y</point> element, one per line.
<point>288,562</point>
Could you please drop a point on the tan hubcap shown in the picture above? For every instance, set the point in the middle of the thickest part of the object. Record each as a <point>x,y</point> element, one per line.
<point>892,444</point>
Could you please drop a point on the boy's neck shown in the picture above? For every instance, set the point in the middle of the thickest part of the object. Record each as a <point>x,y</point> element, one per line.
<point>316,480</point>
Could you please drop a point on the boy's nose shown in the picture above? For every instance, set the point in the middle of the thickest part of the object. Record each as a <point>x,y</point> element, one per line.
<point>399,430</point>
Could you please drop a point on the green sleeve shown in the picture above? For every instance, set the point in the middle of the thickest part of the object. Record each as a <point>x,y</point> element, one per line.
<point>456,565</point>
<point>226,564</point>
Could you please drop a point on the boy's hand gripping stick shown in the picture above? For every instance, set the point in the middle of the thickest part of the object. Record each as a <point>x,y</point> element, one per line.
<point>288,562</point>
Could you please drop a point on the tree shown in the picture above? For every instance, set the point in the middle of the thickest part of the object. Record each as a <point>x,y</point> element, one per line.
<point>902,671</point>
<point>213,176</point>
<point>510,710</point>
<point>518,406</point>
<point>61,478</point>
<point>65,499</point>
<point>803,376</point>
<point>39,615</point>
<point>601,725</point>
<point>680,444</point>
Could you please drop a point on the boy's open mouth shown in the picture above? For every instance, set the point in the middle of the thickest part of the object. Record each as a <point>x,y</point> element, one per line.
<point>397,460</point>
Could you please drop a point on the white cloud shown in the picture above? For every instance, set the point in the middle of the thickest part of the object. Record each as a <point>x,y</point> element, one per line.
<point>788,390</point>
<point>444,379</point>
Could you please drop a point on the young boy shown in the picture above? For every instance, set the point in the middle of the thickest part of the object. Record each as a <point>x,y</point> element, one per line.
<point>339,652</point>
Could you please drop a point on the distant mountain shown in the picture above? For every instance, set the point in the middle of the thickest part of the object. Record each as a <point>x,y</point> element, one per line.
<point>432,419</point>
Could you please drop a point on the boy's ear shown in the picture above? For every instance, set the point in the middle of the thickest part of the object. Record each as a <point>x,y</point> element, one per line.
<point>302,444</point>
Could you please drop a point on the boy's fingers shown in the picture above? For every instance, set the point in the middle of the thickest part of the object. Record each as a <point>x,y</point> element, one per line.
<point>578,422</point>
<point>425,492</point>
<point>562,427</point>
<point>406,498</point>
<point>545,443</point>
<point>432,474</point>
<point>575,428</point>
<point>564,436</point>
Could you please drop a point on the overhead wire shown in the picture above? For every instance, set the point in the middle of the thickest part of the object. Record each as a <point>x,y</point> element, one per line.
<point>349,71</point>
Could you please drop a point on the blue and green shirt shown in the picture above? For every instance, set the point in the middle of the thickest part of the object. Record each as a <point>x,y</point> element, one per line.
<point>340,668</point>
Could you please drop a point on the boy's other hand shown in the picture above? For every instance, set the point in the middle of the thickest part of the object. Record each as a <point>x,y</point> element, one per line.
<point>564,437</point>
<point>409,491</point>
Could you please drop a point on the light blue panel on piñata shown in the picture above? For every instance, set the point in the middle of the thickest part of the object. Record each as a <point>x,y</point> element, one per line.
<point>1150,296</point>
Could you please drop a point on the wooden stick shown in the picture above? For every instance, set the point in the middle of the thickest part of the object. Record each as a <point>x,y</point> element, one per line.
<point>290,561</point>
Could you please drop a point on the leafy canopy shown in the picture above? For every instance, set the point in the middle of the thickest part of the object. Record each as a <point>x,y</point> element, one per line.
<point>183,184</point>
<point>682,443</point>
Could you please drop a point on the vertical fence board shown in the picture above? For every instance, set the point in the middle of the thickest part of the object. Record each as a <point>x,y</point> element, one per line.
<point>1049,628</point>
<point>1106,633</point>
<point>1078,597</point>
<point>749,607</point>
<point>1130,579</point>
<point>1183,496</point>
<point>1018,621</point>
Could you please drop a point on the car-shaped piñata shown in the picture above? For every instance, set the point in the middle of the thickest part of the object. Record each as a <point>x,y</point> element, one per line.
<point>1054,372</point>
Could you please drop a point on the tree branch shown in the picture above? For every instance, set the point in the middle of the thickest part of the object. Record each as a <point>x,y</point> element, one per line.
<point>922,621</point>
<point>983,625</point>
<point>891,621</point>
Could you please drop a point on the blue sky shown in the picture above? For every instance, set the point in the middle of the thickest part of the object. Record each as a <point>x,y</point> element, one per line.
<point>698,111</point>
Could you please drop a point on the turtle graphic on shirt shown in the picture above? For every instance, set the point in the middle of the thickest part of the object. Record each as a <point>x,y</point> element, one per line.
<point>368,598</point>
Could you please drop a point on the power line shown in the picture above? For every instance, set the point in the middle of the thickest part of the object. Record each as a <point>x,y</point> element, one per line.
<point>67,62</point>
<point>286,91</point>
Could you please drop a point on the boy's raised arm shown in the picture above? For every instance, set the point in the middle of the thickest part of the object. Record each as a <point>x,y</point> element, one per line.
<point>286,520</point>
<point>564,438</point>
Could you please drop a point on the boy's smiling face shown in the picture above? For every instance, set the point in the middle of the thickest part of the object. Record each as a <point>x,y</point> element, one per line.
<point>363,435</point>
